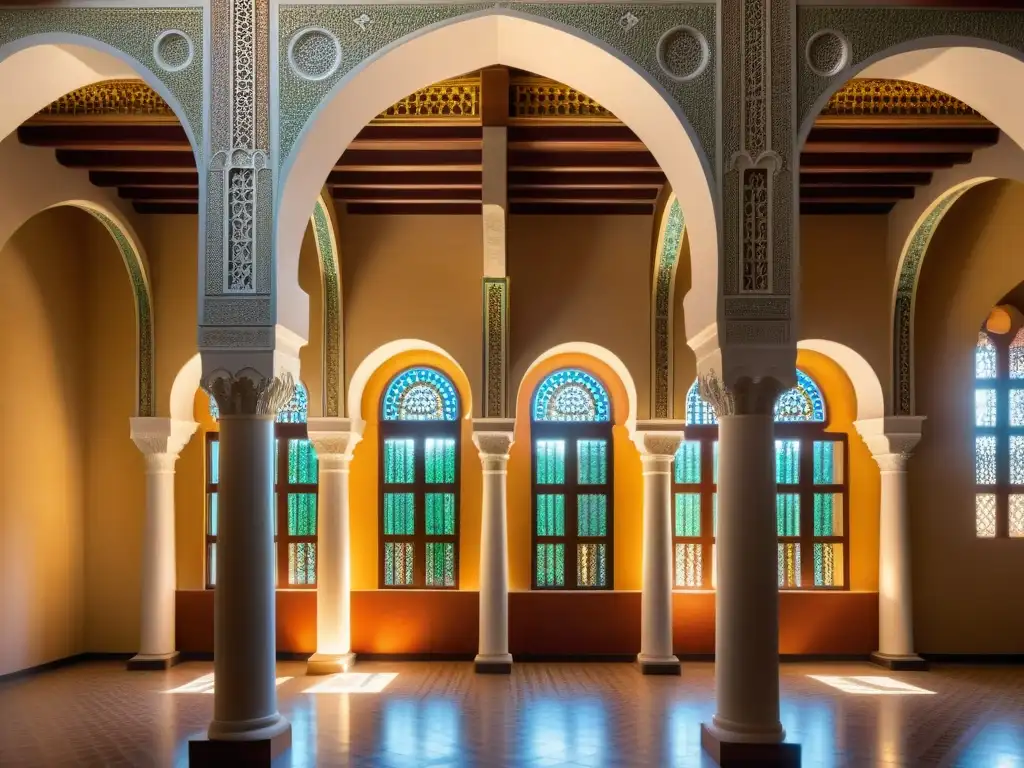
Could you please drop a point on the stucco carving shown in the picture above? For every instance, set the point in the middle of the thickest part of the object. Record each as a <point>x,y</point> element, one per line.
<point>335,439</point>
<point>161,436</point>
<point>666,259</point>
<point>891,440</point>
<point>660,443</point>
<point>248,392</point>
<point>314,53</point>
<point>330,281</point>
<point>493,444</point>
<point>173,50</point>
<point>495,345</point>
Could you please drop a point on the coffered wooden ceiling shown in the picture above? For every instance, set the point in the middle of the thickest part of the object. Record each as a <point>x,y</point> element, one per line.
<point>873,145</point>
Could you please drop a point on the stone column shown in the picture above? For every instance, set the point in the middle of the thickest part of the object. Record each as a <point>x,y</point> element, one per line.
<point>334,439</point>
<point>160,441</point>
<point>658,442</point>
<point>493,437</point>
<point>746,723</point>
<point>246,725</point>
<point>891,439</point>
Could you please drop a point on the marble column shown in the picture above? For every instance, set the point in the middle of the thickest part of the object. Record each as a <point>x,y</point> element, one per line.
<point>658,442</point>
<point>160,440</point>
<point>746,724</point>
<point>493,438</point>
<point>246,723</point>
<point>891,440</point>
<point>334,439</point>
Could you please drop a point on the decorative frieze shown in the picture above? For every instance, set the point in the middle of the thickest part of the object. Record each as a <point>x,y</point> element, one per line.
<point>863,97</point>
<point>666,260</point>
<point>495,311</point>
<point>538,98</point>
<point>330,280</point>
<point>110,99</point>
<point>457,99</point>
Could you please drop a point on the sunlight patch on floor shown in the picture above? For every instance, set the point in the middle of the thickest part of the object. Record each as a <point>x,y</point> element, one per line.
<point>872,685</point>
<point>204,684</point>
<point>354,682</point>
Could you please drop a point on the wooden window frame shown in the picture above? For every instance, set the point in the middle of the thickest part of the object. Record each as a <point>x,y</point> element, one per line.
<point>572,432</point>
<point>419,432</point>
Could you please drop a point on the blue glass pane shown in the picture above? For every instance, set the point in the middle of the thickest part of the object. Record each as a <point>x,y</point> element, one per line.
<point>297,409</point>
<point>214,410</point>
<point>985,358</point>
<point>787,462</point>
<point>420,394</point>
<point>214,461</point>
<point>803,402</point>
<point>698,410</point>
<point>687,522</point>
<point>571,395</point>
<point>787,510</point>
<point>211,514</point>
<point>550,462</point>
<point>688,462</point>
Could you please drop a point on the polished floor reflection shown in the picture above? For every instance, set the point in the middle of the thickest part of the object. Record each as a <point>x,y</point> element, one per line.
<point>399,715</point>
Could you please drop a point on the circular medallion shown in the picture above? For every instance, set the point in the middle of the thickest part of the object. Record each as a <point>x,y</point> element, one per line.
<point>827,53</point>
<point>683,53</point>
<point>173,50</point>
<point>314,53</point>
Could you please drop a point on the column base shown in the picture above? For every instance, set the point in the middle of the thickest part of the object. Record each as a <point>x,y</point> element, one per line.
<point>141,661</point>
<point>493,664</point>
<point>743,753</point>
<point>910,662</point>
<point>329,663</point>
<point>658,665</point>
<point>242,748</point>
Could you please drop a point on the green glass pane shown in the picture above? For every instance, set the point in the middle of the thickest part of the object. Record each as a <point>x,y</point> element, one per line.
<point>439,460</point>
<point>550,565</point>
<point>399,457</point>
<point>440,514</point>
<point>823,514</point>
<point>551,462</point>
<point>399,514</point>
<point>302,514</point>
<point>440,567</point>
<point>787,510</point>
<point>687,514</point>
<point>714,462</point>
<point>592,461</point>
<point>211,565</point>
<point>302,563</point>
<point>302,462</point>
<point>591,565</point>
<point>787,462</point>
<point>550,514</point>
<point>214,461</point>
<point>211,513</point>
<point>824,462</point>
<point>688,462</point>
<point>592,514</point>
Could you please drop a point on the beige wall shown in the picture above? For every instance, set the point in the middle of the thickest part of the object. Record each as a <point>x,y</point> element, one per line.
<point>966,589</point>
<point>42,462</point>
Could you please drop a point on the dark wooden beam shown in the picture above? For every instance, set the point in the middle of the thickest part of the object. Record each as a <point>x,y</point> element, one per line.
<point>519,194</point>
<point>166,137</point>
<point>650,177</point>
<point>866,177</point>
<point>863,193</point>
<point>433,132</point>
<point>166,207</point>
<point>119,159</point>
<point>186,194</point>
<point>143,179</point>
<point>832,163</point>
<point>892,147</point>
<point>578,132</point>
<point>364,194</point>
<point>521,159</point>
<point>416,209</point>
<point>844,209</point>
<point>581,209</point>
<point>494,107</point>
<point>368,158</point>
<point>404,178</point>
<point>961,137</point>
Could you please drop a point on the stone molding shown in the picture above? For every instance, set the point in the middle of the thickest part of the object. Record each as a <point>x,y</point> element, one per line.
<point>658,438</point>
<point>159,436</point>
<point>335,438</point>
<point>891,439</point>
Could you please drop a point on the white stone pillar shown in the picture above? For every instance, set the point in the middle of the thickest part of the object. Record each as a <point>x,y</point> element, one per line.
<point>746,724</point>
<point>890,440</point>
<point>334,439</point>
<point>244,661</point>
<point>658,442</point>
<point>493,438</point>
<point>160,440</point>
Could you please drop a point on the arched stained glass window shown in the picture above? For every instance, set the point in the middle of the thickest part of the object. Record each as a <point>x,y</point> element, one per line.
<point>420,394</point>
<point>809,472</point>
<point>571,433</point>
<point>571,395</point>
<point>295,493</point>
<point>999,435</point>
<point>699,411</point>
<point>419,472</point>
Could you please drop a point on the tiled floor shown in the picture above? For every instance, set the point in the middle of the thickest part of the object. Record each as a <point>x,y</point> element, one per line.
<point>441,714</point>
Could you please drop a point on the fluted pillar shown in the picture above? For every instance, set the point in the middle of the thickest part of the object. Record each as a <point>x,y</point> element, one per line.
<point>746,728</point>
<point>658,442</point>
<point>247,726</point>
<point>334,440</point>
<point>493,438</point>
<point>891,440</point>
<point>160,441</point>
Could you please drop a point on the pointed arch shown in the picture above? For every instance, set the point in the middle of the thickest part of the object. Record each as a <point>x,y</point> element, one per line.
<point>325,235</point>
<point>667,246</point>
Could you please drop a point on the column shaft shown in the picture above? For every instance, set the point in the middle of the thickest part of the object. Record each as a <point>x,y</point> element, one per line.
<point>895,597</point>
<point>656,600</point>
<point>158,562</point>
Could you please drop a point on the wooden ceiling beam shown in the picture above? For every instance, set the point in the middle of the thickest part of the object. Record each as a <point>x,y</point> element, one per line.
<point>914,133</point>
<point>572,132</point>
<point>363,158</point>
<point>581,209</point>
<point>413,145</point>
<point>188,194</point>
<point>845,209</point>
<point>417,209</point>
<point>432,132</point>
<point>144,179</point>
<point>864,193</point>
<point>114,135</point>
<point>165,207</point>
<point>866,177</point>
<point>347,177</point>
<point>521,160</point>
<point>870,147</point>
<point>850,161</point>
<point>613,194</point>
<point>117,160</point>
<point>406,194</point>
<point>538,177</point>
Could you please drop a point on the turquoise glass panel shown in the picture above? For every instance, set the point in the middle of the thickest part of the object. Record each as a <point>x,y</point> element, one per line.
<point>592,461</point>
<point>211,513</point>
<point>824,514</point>
<point>440,565</point>
<point>302,514</point>
<point>550,565</point>
<point>399,514</point>
<point>787,462</point>
<point>440,514</point>
<point>550,462</point>
<point>214,461</point>
<point>787,509</point>
<point>592,514</point>
<point>824,462</point>
<point>687,514</point>
<point>550,514</point>
<point>399,460</point>
<point>687,464</point>
<point>302,462</point>
<point>439,460</point>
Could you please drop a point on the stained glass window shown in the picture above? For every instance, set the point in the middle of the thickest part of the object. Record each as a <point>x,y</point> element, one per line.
<point>810,503</point>
<point>420,394</point>
<point>999,434</point>
<point>419,475</point>
<point>571,395</point>
<point>572,477</point>
<point>295,494</point>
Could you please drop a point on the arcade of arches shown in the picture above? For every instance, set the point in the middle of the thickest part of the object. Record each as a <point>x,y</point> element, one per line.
<point>580,485</point>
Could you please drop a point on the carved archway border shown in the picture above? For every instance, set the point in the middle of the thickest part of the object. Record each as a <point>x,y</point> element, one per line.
<point>330,281</point>
<point>666,260</point>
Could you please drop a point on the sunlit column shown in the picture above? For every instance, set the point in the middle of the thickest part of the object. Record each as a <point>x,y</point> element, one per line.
<point>493,438</point>
<point>658,442</point>
<point>160,440</point>
<point>335,440</point>
<point>245,697</point>
<point>891,440</point>
<point>746,723</point>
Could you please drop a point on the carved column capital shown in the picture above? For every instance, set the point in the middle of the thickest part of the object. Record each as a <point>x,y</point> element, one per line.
<point>335,439</point>
<point>160,440</point>
<point>658,438</point>
<point>891,439</point>
<point>747,396</point>
<point>493,439</point>
<point>248,392</point>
